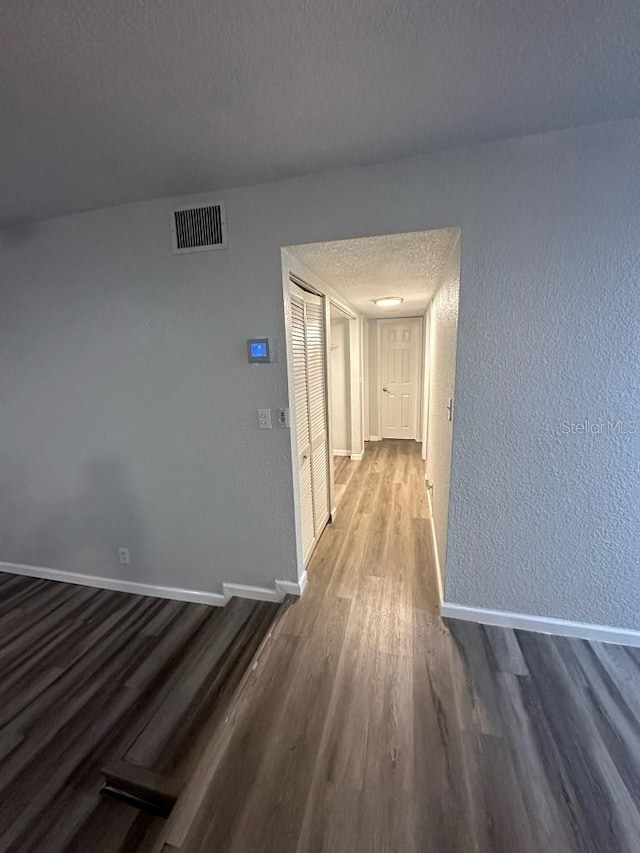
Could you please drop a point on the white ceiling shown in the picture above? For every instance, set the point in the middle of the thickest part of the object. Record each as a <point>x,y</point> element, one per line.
<point>110,101</point>
<point>407,265</point>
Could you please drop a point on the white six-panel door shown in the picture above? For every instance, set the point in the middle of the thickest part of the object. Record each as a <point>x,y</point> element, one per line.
<point>400,352</point>
<point>310,381</point>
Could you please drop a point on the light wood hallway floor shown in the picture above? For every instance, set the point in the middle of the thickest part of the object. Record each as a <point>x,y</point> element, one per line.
<point>370,726</point>
<point>343,468</point>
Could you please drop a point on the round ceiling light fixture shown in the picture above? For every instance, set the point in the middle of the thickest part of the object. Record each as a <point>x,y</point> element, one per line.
<point>388,301</point>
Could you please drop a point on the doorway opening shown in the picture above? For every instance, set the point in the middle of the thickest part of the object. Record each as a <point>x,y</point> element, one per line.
<point>375,363</point>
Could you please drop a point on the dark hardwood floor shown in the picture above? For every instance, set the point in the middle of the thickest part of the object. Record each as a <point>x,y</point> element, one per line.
<point>370,726</point>
<point>89,676</point>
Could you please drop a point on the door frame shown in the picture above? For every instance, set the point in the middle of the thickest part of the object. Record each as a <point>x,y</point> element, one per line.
<point>308,282</point>
<point>355,380</point>
<point>383,321</point>
<point>301,293</point>
<point>289,278</point>
<point>326,318</point>
<point>425,383</point>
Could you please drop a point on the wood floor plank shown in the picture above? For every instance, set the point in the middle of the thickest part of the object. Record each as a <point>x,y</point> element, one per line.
<point>590,770</point>
<point>206,650</point>
<point>539,779</point>
<point>126,829</point>
<point>365,724</point>
<point>84,671</point>
<point>503,651</point>
<point>373,726</point>
<point>478,693</point>
<point>253,708</point>
<point>441,793</point>
<point>623,670</point>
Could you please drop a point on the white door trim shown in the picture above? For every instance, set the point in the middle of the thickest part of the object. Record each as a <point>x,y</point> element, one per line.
<point>379,324</point>
<point>296,293</point>
<point>293,424</point>
<point>356,373</point>
<point>349,314</point>
<point>310,282</point>
<point>296,286</point>
<point>426,383</point>
<point>303,285</point>
<point>289,278</point>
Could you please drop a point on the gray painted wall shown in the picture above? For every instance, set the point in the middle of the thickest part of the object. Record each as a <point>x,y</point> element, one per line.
<point>128,410</point>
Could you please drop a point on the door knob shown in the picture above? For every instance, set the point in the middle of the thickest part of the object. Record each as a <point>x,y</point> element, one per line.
<point>386,389</point>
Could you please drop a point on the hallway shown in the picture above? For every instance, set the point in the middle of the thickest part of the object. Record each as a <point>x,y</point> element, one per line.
<point>369,725</point>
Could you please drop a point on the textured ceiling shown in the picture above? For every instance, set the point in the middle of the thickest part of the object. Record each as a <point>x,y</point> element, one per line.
<point>111,101</point>
<point>408,265</point>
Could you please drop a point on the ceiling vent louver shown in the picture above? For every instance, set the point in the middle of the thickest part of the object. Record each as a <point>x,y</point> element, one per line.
<point>199,227</point>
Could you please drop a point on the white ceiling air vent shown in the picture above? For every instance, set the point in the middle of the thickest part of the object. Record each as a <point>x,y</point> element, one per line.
<point>199,227</point>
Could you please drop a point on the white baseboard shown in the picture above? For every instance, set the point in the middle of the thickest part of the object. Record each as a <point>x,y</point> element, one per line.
<point>342,453</point>
<point>375,438</point>
<point>293,587</point>
<point>357,457</point>
<point>541,624</point>
<point>214,599</point>
<point>435,548</point>
<point>259,593</point>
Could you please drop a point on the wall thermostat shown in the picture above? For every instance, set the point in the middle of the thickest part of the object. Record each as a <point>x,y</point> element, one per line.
<point>260,350</point>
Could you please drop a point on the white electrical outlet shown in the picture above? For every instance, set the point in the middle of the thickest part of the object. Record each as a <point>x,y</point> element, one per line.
<point>124,556</point>
<point>264,418</point>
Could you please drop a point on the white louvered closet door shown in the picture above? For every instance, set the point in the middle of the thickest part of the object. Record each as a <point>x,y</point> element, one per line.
<point>309,370</point>
<point>317,380</point>
<point>301,403</point>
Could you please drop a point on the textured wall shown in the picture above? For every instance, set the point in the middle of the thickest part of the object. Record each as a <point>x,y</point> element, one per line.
<point>443,336</point>
<point>409,265</point>
<point>128,409</point>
